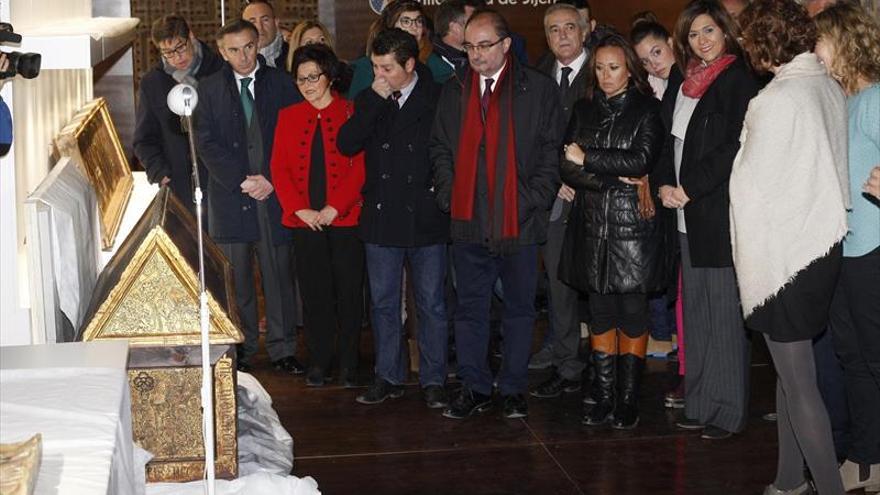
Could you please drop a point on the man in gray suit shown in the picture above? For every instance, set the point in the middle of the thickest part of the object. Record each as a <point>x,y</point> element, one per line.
<point>566,63</point>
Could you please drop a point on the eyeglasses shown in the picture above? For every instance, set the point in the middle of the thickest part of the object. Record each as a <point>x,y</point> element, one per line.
<point>176,51</point>
<point>406,22</point>
<point>480,47</point>
<point>311,78</point>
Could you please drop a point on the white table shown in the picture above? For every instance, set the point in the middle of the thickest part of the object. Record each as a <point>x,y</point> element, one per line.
<point>77,396</point>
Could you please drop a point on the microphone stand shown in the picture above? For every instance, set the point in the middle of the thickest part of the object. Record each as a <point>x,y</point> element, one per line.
<point>204,325</point>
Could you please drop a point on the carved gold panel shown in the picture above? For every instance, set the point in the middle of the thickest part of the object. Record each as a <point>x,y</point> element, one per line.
<point>148,293</point>
<point>156,302</point>
<point>167,419</point>
<point>92,139</point>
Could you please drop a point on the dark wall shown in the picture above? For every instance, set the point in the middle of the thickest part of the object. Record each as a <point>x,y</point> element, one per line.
<point>204,19</point>
<point>349,19</point>
<point>352,17</point>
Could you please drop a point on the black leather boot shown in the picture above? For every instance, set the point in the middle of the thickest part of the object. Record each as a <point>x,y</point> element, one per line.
<point>601,389</point>
<point>629,377</point>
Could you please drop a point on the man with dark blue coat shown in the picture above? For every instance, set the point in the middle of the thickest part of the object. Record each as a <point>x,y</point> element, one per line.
<point>400,220</point>
<point>160,143</point>
<point>235,128</point>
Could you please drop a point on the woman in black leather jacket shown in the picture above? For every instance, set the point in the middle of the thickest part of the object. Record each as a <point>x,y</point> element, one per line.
<point>612,246</point>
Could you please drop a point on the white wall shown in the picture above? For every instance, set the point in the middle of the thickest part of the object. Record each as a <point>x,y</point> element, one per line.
<point>40,108</point>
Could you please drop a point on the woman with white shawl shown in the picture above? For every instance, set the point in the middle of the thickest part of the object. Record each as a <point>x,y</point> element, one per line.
<point>789,191</point>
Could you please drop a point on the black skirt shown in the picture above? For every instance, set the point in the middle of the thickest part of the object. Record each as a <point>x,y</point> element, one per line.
<point>800,310</point>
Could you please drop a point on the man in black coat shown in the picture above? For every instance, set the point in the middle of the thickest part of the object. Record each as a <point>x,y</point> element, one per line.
<point>235,128</point>
<point>273,48</point>
<point>449,24</point>
<point>400,221</point>
<point>160,143</point>
<point>567,64</point>
<point>498,189</point>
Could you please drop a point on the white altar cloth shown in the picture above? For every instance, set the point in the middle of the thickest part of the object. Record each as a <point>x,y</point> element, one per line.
<point>76,395</point>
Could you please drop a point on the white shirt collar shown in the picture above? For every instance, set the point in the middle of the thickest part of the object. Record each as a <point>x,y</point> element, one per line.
<point>407,90</point>
<point>575,65</point>
<point>494,78</point>
<point>252,75</point>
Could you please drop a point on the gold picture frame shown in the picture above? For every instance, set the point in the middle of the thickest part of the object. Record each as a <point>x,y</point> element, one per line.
<point>92,139</point>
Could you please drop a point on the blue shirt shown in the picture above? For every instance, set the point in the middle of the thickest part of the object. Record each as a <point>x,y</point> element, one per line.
<point>864,154</point>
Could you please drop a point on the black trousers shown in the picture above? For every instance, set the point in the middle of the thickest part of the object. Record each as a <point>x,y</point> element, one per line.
<point>855,329</point>
<point>330,271</point>
<point>278,290</point>
<point>626,312</point>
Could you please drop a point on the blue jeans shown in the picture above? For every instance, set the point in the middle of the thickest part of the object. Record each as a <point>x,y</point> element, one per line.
<point>427,270</point>
<point>477,270</point>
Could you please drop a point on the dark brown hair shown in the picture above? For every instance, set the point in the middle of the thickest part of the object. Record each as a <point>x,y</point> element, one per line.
<point>392,12</point>
<point>713,9</point>
<point>395,8</point>
<point>775,31</point>
<point>168,27</point>
<point>637,75</point>
<point>337,72</point>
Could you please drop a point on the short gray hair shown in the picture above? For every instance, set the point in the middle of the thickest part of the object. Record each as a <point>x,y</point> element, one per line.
<point>556,7</point>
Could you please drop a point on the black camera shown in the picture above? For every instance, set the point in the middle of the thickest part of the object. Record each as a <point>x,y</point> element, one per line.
<point>26,64</point>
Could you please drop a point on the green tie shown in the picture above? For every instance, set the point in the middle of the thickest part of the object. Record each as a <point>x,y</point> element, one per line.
<point>247,100</point>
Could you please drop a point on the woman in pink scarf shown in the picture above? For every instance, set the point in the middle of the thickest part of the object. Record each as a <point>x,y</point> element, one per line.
<point>705,119</point>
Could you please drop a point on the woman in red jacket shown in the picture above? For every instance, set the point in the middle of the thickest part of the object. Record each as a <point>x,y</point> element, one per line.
<point>320,193</point>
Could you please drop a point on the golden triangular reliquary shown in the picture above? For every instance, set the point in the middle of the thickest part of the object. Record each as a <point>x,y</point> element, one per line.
<point>149,295</point>
<point>149,292</point>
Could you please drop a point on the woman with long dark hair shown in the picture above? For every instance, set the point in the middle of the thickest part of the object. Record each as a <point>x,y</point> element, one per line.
<point>706,120</point>
<point>653,44</point>
<point>614,138</point>
<point>320,193</point>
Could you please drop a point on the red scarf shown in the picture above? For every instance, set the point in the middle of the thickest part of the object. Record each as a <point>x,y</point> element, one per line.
<point>500,157</point>
<point>700,76</point>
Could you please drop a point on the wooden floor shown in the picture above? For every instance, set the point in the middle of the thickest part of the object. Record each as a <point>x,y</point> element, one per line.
<point>401,447</point>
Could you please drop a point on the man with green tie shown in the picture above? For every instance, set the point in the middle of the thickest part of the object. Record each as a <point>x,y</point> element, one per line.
<point>235,129</point>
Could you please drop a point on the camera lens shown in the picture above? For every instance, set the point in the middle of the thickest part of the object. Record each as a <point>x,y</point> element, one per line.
<point>25,64</point>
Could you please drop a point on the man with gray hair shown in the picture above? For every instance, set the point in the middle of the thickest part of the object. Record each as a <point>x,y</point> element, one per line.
<point>449,24</point>
<point>566,63</point>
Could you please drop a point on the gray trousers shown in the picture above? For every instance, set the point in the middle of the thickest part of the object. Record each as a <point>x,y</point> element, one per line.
<point>278,290</point>
<point>716,378</point>
<point>563,307</point>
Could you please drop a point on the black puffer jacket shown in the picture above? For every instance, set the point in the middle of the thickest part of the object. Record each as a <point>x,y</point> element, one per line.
<point>609,248</point>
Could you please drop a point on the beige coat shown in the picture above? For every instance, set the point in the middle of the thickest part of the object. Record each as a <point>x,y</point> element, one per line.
<point>788,188</point>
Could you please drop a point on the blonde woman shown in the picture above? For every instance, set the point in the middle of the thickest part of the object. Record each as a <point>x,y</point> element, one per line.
<point>849,46</point>
<point>307,33</point>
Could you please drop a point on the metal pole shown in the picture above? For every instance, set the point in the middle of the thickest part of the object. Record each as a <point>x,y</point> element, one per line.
<point>204,323</point>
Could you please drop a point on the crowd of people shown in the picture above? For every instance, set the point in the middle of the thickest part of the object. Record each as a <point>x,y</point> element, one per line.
<point>724,176</point>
